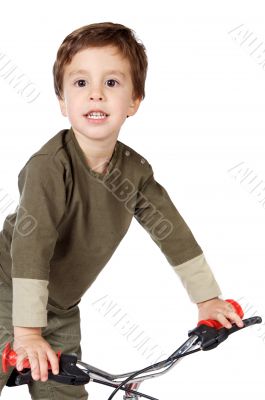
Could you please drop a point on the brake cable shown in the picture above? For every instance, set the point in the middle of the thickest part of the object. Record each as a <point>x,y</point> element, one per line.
<point>145,370</point>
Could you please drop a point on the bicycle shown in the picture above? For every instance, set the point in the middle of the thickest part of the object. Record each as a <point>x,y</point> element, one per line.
<point>206,336</point>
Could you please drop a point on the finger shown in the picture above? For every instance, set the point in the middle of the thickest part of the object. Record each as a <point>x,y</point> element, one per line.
<point>43,362</point>
<point>223,320</point>
<point>234,317</point>
<point>21,356</point>
<point>34,365</point>
<point>53,361</point>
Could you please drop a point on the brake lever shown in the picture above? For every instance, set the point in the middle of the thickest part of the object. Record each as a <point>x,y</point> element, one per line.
<point>209,337</point>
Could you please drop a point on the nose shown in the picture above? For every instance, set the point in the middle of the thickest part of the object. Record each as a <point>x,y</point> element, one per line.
<point>96,93</point>
<point>95,97</point>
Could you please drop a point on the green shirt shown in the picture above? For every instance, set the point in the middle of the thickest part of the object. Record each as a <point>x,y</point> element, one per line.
<point>70,220</point>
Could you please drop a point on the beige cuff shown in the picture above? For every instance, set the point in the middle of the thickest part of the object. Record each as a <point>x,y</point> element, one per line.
<point>30,297</point>
<point>198,279</point>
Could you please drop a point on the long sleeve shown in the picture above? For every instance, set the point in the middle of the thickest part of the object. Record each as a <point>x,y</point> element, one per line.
<point>40,210</point>
<point>157,214</point>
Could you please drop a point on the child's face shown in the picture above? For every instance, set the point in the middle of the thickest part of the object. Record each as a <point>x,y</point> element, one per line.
<point>103,84</point>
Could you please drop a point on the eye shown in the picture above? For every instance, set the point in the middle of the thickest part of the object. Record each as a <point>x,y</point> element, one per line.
<point>111,82</point>
<point>80,83</point>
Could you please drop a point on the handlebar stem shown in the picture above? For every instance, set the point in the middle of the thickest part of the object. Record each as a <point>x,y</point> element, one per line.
<point>131,386</point>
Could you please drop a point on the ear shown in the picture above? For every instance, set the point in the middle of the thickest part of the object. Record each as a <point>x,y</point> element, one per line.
<point>133,107</point>
<point>62,107</point>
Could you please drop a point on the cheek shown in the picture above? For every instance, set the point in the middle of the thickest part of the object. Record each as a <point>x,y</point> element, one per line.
<point>124,102</point>
<point>72,105</point>
<point>71,97</point>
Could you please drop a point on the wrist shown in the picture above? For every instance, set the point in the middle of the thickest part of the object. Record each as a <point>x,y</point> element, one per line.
<point>23,331</point>
<point>206,301</point>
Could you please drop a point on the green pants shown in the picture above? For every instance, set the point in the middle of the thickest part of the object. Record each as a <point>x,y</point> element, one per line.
<point>62,333</point>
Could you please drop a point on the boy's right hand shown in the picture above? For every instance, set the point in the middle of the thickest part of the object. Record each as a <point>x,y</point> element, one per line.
<point>38,351</point>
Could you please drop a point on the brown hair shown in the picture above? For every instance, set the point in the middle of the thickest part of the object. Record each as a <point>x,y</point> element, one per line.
<point>100,35</point>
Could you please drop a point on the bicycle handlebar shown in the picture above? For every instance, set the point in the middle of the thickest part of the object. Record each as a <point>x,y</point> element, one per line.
<point>207,335</point>
<point>210,338</point>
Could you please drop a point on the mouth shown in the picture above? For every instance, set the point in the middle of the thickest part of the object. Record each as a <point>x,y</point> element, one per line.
<point>96,115</point>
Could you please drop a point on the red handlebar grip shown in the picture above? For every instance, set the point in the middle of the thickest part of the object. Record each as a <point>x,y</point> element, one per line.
<point>216,324</point>
<point>9,358</point>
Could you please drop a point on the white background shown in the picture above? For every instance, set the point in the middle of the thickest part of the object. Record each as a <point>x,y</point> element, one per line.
<point>203,114</point>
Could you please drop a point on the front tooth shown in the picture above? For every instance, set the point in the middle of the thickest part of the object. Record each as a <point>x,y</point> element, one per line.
<point>96,116</point>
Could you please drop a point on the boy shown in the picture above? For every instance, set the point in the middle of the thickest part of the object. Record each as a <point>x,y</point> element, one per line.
<point>78,195</point>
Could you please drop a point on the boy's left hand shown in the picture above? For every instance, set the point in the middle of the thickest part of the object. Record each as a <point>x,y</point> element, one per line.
<point>219,310</point>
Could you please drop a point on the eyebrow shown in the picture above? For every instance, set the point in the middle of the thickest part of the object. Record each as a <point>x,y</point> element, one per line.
<point>84,72</point>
